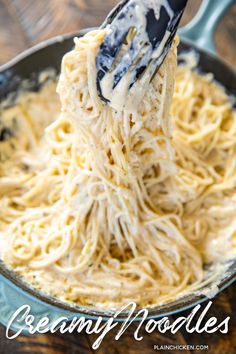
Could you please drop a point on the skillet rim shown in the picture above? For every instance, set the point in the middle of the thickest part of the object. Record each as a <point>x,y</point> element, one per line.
<point>179,305</point>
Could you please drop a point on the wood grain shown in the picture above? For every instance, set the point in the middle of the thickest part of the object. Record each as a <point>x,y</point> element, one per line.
<point>24,23</point>
<point>224,305</point>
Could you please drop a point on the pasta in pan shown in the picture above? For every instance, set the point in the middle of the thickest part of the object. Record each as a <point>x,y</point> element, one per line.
<point>109,206</point>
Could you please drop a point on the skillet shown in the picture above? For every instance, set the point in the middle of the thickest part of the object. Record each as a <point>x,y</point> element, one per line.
<point>199,33</point>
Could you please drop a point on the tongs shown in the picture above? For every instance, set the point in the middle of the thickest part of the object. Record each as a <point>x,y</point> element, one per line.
<point>139,36</point>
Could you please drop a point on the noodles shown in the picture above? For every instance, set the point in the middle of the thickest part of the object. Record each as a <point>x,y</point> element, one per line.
<point>117,205</point>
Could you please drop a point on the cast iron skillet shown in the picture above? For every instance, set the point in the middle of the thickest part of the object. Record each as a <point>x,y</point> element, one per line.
<point>14,292</point>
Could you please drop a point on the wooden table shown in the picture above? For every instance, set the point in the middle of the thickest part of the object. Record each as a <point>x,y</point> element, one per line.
<point>24,23</point>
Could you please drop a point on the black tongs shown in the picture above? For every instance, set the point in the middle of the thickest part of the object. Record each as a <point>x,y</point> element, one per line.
<point>150,26</point>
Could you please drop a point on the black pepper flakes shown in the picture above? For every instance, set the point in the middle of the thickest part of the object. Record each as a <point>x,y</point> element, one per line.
<point>5,134</point>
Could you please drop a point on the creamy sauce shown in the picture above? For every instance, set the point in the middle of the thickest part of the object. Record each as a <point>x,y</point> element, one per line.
<point>99,207</point>
<point>122,97</point>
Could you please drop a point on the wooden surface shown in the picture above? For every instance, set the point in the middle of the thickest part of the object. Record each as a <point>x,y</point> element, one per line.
<point>24,23</point>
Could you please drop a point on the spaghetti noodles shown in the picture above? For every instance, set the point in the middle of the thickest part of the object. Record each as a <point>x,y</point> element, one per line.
<point>110,206</point>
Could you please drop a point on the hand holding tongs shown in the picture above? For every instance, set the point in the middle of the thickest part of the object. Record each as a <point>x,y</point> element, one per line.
<point>150,26</point>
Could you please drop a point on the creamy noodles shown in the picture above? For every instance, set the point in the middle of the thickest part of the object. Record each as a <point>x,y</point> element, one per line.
<point>108,206</point>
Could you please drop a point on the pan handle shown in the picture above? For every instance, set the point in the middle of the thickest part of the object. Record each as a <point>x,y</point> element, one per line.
<point>200,31</point>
